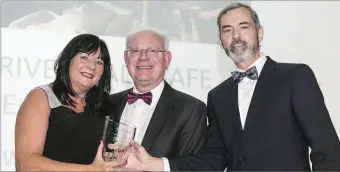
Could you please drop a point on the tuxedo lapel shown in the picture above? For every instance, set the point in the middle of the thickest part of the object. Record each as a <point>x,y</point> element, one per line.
<point>258,101</point>
<point>164,109</point>
<point>231,100</point>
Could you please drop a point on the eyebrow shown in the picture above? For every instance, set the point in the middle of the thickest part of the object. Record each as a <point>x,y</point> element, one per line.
<point>242,23</point>
<point>225,26</point>
<point>153,48</point>
<point>100,57</point>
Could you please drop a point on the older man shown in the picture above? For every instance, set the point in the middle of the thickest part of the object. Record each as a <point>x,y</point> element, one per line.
<point>169,123</point>
<point>265,117</point>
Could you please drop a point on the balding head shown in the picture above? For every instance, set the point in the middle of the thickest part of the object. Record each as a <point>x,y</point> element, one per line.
<point>147,58</point>
<point>148,33</point>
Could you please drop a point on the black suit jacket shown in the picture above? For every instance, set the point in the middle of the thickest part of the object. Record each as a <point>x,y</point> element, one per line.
<point>177,127</point>
<point>287,115</point>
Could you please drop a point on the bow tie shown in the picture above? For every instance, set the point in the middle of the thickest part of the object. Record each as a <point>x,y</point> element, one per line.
<point>146,97</point>
<point>250,73</point>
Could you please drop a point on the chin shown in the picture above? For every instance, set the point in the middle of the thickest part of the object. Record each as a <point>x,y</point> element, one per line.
<point>245,56</point>
<point>87,85</point>
<point>143,79</point>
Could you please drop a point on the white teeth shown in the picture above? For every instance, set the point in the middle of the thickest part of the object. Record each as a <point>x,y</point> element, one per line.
<point>87,75</point>
<point>144,67</point>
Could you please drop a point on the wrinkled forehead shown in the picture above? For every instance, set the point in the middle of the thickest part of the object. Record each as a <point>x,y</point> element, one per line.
<point>236,17</point>
<point>146,40</point>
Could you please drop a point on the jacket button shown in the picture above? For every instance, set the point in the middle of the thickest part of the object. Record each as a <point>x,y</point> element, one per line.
<point>243,158</point>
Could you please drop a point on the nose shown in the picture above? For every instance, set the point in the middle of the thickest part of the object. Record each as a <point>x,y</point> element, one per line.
<point>91,64</point>
<point>236,34</point>
<point>143,55</point>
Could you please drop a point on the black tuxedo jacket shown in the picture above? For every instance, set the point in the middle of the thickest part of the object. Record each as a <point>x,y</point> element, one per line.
<point>177,127</point>
<point>287,115</point>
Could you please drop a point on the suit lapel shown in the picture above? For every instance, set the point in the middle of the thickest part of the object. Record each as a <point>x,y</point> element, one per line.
<point>163,110</point>
<point>257,104</point>
<point>232,103</point>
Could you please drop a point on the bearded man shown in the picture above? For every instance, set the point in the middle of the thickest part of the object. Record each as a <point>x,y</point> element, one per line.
<point>265,117</point>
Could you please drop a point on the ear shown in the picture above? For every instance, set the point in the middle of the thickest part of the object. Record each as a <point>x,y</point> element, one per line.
<point>220,41</point>
<point>167,59</point>
<point>260,34</point>
<point>125,57</point>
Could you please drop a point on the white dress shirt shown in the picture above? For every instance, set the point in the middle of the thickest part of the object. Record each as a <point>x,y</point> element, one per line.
<point>139,113</point>
<point>245,93</point>
<point>246,88</point>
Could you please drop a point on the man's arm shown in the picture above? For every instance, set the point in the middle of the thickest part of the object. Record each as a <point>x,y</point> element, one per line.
<point>193,133</point>
<point>312,114</point>
<point>212,156</point>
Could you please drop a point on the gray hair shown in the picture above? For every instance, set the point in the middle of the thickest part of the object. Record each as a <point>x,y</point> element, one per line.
<point>232,6</point>
<point>139,29</point>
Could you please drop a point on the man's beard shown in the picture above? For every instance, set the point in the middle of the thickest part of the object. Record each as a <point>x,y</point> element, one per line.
<point>242,52</point>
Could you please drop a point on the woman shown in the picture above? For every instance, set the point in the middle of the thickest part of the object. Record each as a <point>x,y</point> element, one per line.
<point>59,125</point>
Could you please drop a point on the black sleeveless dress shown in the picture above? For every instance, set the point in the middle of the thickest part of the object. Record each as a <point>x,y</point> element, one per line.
<point>71,137</point>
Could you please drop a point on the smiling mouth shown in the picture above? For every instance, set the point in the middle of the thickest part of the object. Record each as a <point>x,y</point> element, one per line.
<point>87,75</point>
<point>144,67</point>
<point>238,45</point>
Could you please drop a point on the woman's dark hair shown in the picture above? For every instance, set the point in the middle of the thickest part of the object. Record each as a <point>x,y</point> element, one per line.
<point>97,97</point>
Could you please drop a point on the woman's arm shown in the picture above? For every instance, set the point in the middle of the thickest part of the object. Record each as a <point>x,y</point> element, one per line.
<point>30,133</point>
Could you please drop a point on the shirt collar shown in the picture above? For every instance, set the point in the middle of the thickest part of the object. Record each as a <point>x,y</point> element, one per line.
<point>156,92</point>
<point>259,63</point>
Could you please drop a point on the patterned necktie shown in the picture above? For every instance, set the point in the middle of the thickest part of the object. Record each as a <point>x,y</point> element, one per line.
<point>146,97</point>
<point>250,73</point>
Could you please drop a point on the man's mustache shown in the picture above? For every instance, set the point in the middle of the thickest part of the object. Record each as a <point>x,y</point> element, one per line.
<point>238,41</point>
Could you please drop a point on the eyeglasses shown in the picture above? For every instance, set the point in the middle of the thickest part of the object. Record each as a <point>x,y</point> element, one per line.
<point>148,52</point>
